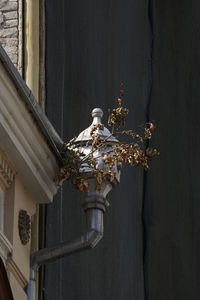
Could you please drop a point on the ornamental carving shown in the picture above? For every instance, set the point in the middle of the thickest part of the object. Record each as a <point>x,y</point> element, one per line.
<point>6,171</point>
<point>24,225</point>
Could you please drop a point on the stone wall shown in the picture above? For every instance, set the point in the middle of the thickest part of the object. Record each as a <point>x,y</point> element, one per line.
<point>10,30</point>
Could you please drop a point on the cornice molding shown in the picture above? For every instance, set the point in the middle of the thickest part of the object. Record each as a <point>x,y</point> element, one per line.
<point>24,144</point>
<point>12,267</point>
<point>5,247</point>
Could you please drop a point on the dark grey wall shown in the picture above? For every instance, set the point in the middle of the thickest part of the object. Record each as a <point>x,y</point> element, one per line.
<point>152,226</point>
<point>172,205</point>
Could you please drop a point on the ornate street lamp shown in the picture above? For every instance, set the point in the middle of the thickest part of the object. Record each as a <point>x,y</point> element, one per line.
<point>94,203</point>
<point>93,161</point>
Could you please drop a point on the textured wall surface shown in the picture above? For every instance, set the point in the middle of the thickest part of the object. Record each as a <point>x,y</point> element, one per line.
<point>91,47</point>
<point>10,29</point>
<point>151,246</point>
<point>172,202</point>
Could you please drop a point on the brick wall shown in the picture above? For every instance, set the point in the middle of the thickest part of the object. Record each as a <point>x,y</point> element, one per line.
<point>11,30</point>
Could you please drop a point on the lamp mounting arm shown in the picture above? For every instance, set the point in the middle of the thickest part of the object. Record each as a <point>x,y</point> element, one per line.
<point>86,241</point>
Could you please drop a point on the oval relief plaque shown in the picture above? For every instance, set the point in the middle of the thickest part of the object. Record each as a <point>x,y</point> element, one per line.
<point>24,225</point>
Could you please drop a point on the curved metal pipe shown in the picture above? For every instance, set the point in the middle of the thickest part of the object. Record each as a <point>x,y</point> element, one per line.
<point>94,206</point>
<point>86,241</point>
<point>31,290</point>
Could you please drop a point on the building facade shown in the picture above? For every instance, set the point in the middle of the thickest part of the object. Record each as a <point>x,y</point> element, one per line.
<point>75,54</point>
<point>29,162</point>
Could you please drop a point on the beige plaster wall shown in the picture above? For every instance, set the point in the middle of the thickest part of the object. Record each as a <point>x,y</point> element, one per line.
<point>18,292</point>
<point>31,54</point>
<point>19,265</point>
<point>16,255</point>
<point>21,253</point>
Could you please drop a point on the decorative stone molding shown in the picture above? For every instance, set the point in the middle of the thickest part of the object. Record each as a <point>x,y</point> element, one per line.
<point>12,267</point>
<point>5,247</point>
<point>6,170</point>
<point>24,144</point>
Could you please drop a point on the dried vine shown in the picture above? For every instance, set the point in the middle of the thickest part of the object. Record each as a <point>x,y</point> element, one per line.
<point>132,152</point>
